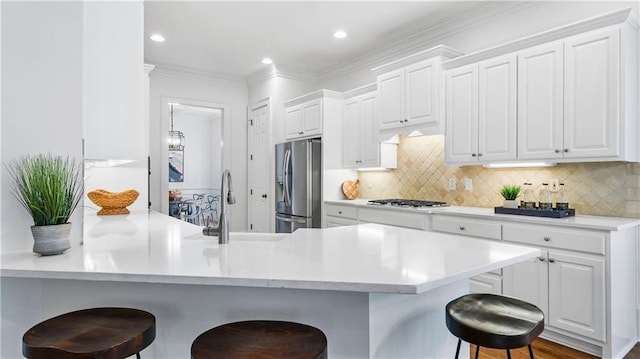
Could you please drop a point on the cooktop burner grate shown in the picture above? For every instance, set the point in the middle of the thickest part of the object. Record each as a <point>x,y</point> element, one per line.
<point>406,203</point>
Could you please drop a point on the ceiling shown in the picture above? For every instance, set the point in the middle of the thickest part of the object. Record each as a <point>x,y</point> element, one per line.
<point>231,37</point>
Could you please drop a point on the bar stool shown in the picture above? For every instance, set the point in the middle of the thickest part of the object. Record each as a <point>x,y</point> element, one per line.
<point>112,333</point>
<point>494,321</point>
<point>261,339</point>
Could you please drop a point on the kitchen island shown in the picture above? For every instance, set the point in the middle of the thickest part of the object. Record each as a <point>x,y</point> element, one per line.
<point>376,291</point>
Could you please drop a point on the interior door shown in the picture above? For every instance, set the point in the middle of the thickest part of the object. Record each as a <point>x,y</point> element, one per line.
<point>259,206</point>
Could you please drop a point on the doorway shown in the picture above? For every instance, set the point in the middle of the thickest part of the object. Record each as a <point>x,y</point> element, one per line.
<point>261,205</point>
<point>189,174</point>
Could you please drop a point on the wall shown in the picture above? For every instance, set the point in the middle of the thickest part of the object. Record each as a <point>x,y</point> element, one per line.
<point>41,98</point>
<point>602,188</point>
<point>231,93</point>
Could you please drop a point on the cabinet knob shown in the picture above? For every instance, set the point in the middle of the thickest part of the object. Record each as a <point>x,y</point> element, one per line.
<point>566,150</point>
<point>479,154</point>
<point>541,259</point>
<point>551,260</point>
<point>264,195</point>
<point>462,228</point>
<point>473,155</point>
<point>401,121</point>
<point>405,120</point>
<point>557,150</point>
<point>301,133</point>
<point>339,212</point>
<point>547,239</point>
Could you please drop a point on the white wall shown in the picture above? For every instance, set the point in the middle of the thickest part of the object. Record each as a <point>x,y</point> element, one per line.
<point>231,93</point>
<point>41,98</point>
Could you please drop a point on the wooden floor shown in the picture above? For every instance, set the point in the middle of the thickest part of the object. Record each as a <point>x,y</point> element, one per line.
<point>544,349</point>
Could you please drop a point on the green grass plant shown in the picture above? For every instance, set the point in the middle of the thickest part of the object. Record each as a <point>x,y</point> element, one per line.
<point>48,187</point>
<point>510,192</point>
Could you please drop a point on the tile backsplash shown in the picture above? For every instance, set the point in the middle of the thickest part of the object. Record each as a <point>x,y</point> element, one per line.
<point>596,188</point>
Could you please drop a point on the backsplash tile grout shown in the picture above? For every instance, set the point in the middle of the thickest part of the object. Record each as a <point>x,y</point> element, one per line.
<point>594,188</point>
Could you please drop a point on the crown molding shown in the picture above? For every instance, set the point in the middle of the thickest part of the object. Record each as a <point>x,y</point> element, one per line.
<point>262,75</point>
<point>437,51</point>
<point>172,71</point>
<point>575,28</point>
<point>312,96</point>
<point>360,90</point>
<point>423,39</point>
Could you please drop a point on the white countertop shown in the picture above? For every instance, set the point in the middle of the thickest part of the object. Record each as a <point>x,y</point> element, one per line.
<point>152,247</point>
<point>577,221</point>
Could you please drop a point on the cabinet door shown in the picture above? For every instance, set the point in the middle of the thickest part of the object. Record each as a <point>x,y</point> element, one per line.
<point>486,283</point>
<point>592,85</point>
<point>351,135</point>
<point>540,102</point>
<point>461,135</point>
<point>419,105</point>
<point>576,294</point>
<point>293,121</point>
<point>497,109</point>
<point>528,281</point>
<point>312,118</point>
<point>391,97</point>
<point>369,145</point>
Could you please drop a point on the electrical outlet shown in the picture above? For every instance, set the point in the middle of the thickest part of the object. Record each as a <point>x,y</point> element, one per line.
<point>468,184</point>
<point>452,184</point>
<point>554,185</point>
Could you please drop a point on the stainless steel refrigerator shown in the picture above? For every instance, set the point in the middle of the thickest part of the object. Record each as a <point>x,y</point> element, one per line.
<point>298,185</point>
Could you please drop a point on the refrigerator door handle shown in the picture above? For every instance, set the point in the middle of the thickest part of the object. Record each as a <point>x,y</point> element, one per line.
<point>289,219</point>
<point>285,169</point>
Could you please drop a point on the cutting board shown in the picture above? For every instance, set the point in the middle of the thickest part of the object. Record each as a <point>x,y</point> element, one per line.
<point>350,189</point>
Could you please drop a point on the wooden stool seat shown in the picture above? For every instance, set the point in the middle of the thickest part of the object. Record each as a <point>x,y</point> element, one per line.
<point>261,339</point>
<point>112,333</point>
<point>494,321</point>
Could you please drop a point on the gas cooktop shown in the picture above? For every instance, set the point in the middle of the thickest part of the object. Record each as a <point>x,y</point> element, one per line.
<point>406,203</point>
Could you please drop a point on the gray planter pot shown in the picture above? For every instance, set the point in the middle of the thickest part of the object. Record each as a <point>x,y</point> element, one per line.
<point>51,240</point>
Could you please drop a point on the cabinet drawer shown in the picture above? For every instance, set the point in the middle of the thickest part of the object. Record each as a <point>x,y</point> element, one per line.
<point>467,227</point>
<point>539,235</point>
<point>394,218</point>
<point>339,221</point>
<point>341,211</point>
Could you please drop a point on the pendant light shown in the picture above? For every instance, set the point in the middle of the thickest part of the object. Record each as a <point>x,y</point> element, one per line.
<point>176,138</point>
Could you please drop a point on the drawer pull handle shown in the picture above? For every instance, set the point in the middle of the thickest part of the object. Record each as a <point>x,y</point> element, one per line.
<point>547,239</point>
<point>541,259</point>
<point>462,228</point>
<point>339,212</point>
<point>551,260</point>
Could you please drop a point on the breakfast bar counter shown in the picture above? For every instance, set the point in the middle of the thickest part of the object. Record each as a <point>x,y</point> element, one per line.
<point>376,291</point>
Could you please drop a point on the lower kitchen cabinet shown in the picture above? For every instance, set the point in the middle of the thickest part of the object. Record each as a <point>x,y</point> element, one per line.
<point>344,215</point>
<point>338,215</point>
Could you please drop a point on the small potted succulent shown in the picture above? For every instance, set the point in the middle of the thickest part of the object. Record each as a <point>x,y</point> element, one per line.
<point>49,188</point>
<point>510,193</point>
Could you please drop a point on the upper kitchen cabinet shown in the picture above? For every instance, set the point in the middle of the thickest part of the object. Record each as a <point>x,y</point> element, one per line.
<point>305,116</point>
<point>409,93</point>
<point>361,147</point>
<point>113,73</point>
<point>481,112</point>
<point>577,89</point>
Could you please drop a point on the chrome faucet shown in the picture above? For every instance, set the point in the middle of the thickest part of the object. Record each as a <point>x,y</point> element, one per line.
<point>222,231</point>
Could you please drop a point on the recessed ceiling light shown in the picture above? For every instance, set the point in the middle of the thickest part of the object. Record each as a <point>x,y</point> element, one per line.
<point>267,61</point>
<point>157,38</point>
<point>339,34</point>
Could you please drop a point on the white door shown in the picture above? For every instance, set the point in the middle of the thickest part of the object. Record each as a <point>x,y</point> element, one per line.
<point>391,97</point>
<point>293,122</point>
<point>260,206</point>
<point>540,101</point>
<point>529,281</point>
<point>497,109</point>
<point>461,135</point>
<point>312,118</point>
<point>592,85</point>
<point>369,145</point>
<point>351,136</point>
<point>419,93</point>
<point>576,294</point>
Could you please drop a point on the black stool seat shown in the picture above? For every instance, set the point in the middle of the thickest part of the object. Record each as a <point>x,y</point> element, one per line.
<point>112,333</point>
<point>261,339</point>
<point>494,321</point>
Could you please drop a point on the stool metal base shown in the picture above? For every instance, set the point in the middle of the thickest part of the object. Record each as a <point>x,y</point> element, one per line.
<point>478,350</point>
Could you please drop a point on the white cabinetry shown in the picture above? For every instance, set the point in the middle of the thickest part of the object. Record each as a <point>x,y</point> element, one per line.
<point>577,89</point>
<point>481,112</point>
<point>303,120</point>
<point>361,148</point>
<point>567,285</point>
<point>112,52</point>
<point>337,215</point>
<point>409,93</point>
<point>342,215</point>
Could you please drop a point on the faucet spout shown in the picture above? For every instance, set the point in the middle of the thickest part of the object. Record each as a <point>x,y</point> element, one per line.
<point>226,189</point>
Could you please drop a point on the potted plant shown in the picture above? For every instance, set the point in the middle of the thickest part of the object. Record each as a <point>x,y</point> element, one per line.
<point>510,193</point>
<point>49,188</point>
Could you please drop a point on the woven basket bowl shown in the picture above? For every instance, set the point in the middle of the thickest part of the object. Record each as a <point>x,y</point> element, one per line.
<point>113,202</point>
